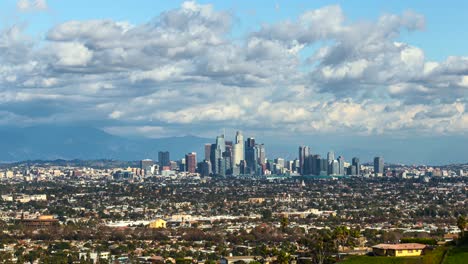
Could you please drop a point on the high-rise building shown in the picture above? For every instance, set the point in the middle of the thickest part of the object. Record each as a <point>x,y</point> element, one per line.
<point>217,153</point>
<point>221,166</point>
<point>146,165</point>
<point>227,156</point>
<point>213,158</point>
<point>304,152</point>
<point>238,150</point>
<point>164,159</point>
<point>323,167</point>
<point>330,156</point>
<point>333,168</point>
<point>355,162</point>
<point>250,142</point>
<point>280,162</point>
<point>341,162</point>
<point>204,168</point>
<point>251,155</point>
<point>191,162</point>
<point>316,159</point>
<point>378,165</point>
<point>261,154</point>
<point>182,164</point>
<point>208,151</point>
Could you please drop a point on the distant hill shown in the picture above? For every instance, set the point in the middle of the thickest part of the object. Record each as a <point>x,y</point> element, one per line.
<point>74,142</point>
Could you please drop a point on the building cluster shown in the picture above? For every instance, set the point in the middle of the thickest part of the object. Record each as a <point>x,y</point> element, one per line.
<point>248,158</point>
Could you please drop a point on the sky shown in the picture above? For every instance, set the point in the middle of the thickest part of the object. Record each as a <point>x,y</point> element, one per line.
<point>289,72</point>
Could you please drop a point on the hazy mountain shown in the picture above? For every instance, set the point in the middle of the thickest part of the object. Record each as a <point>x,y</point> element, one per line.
<point>73,142</point>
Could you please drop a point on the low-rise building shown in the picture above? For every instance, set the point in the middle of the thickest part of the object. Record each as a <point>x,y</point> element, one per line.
<point>399,250</point>
<point>158,223</point>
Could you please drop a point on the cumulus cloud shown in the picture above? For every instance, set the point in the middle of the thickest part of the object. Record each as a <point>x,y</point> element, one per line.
<point>31,5</point>
<point>182,71</point>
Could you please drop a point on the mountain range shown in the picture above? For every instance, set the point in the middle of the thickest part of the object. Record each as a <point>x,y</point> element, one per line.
<point>74,142</point>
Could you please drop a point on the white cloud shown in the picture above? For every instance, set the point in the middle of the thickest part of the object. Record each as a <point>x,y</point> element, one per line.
<point>72,54</point>
<point>31,5</point>
<point>183,70</point>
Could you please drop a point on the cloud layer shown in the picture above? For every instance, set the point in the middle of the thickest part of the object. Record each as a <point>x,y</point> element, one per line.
<point>183,73</point>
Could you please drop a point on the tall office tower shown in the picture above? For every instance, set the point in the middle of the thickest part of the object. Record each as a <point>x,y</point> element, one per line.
<point>308,161</point>
<point>173,165</point>
<point>351,170</point>
<point>333,168</point>
<point>213,160</point>
<point>250,142</point>
<point>378,165</point>
<point>238,151</point>
<point>204,168</point>
<point>251,155</point>
<point>355,162</point>
<point>227,156</point>
<point>182,166</point>
<point>261,154</point>
<point>221,143</point>
<point>221,167</point>
<point>191,162</point>
<point>164,159</point>
<point>303,154</point>
<point>323,167</point>
<point>330,156</point>
<point>341,170</point>
<point>280,162</point>
<point>251,159</point>
<point>316,159</point>
<point>208,151</point>
<point>217,152</point>
<point>243,168</point>
<point>146,165</point>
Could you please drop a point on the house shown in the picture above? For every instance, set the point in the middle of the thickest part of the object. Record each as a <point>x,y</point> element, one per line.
<point>40,222</point>
<point>158,223</point>
<point>399,250</point>
<point>239,259</point>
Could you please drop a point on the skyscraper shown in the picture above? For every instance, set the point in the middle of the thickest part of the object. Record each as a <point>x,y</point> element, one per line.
<point>250,142</point>
<point>207,151</point>
<point>355,163</point>
<point>251,155</point>
<point>191,162</point>
<point>378,165</point>
<point>164,159</point>
<point>316,164</point>
<point>204,168</point>
<point>146,165</point>
<point>330,156</point>
<point>217,152</point>
<point>341,170</point>
<point>238,151</point>
<point>261,154</point>
<point>333,168</point>
<point>303,154</point>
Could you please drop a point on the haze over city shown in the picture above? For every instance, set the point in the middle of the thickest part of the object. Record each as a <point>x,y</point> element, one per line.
<point>389,79</point>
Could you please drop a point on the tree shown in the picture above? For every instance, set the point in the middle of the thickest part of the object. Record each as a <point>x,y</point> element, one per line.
<point>284,223</point>
<point>461,223</point>
<point>341,236</point>
<point>267,214</point>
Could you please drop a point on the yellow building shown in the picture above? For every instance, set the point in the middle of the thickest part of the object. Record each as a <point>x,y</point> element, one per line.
<point>158,223</point>
<point>399,250</point>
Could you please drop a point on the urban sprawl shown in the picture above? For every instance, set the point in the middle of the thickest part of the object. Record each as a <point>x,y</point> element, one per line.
<point>235,206</point>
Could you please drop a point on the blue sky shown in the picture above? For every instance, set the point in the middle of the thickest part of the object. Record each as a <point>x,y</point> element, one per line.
<point>386,70</point>
<point>444,35</point>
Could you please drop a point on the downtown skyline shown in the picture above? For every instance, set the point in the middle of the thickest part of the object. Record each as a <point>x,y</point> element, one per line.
<point>386,80</point>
